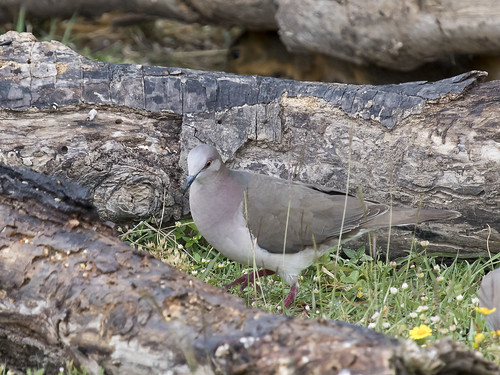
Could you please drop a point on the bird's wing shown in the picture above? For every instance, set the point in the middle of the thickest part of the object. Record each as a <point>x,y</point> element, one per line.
<point>304,214</point>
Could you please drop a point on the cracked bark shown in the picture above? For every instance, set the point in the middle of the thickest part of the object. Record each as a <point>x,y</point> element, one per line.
<point>439,141</point>
<point>70,290</point>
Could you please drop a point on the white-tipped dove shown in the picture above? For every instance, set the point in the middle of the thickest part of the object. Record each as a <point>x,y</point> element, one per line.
<point>276,223</point>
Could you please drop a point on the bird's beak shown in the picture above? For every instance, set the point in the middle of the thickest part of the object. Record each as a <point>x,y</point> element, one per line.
<point>189,182</point>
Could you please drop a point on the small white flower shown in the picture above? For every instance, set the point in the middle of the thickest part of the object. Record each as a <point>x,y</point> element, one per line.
<point>180,247</point>
<point>178,224</point>
<point>436,268</point>
<point>439,279</point>
<point>195,272</point>
<point>404,286</point>
<point>453,327</point>
<point>372,325</point>
<point>435,319</point>
<point>413,315</point>
<point>393,290</point>
<point>422,317</point>
<point>386,325</point>
<point>459,298</point>
<point>315,291</point>
<point>475,301</point>
<point>420,275</point>
<point>307,307</point>
<point>444,331</point>
<point>278,308</point>
<point>375,315</point>
<point>393,264</point>
<point>422,308</point>
<point>424,298</point>
<point>424,243</point>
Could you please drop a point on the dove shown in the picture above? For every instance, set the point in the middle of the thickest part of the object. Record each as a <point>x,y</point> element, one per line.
<point>280,225</point>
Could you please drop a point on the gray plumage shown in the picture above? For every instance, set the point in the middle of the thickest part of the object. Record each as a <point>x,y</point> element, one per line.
<point>275,223</point>
<point>489,296</point>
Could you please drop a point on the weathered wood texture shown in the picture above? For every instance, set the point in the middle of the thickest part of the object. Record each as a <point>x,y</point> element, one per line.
<point>435,142</point>
<point>251,14</point>
<point>69,290</point>
<point>401,35</point>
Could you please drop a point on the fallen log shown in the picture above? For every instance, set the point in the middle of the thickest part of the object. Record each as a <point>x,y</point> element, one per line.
<point>123,130</point>
<point>251,14</point>
<point>395,35</point>
<point>70,290</point>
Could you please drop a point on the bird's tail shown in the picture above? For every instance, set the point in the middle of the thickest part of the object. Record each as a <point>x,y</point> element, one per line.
<point>409,216</point>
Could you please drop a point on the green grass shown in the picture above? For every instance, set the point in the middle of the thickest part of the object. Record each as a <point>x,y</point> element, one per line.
<point>391,297</point>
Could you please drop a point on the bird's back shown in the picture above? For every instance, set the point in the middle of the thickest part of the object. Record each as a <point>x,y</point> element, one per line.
<point>299,215</point>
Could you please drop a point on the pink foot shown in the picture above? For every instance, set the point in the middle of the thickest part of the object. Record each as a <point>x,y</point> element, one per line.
<point>294,289</point>
<point>248,278</point>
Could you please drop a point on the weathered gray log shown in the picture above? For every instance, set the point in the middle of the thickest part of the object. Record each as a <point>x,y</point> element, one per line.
<point>400,35</point>
<point>69,290</point>
<point>435,142</point>
<point>251,14</point>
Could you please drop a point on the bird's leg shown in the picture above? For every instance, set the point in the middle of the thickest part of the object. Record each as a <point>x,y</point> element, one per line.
<point>294,289</point>
<point>248,278</point>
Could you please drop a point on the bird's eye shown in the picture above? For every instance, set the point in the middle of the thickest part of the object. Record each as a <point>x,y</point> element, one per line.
<point>208,163</point>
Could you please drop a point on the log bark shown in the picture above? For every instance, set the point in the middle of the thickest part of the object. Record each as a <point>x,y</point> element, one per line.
<point>69,290</point>
<point>251,14</point>
<point>432,142</point>
<point>397,35</point>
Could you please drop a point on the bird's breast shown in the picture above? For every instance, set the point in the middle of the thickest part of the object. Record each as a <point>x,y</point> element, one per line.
<point>220,219</point>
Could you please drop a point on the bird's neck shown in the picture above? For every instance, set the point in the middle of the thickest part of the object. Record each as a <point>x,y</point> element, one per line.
<point>221,196</point>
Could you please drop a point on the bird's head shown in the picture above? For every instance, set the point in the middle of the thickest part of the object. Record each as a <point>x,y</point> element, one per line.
<point>203,161</point>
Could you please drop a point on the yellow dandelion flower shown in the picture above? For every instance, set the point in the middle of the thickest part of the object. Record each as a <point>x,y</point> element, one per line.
<point>485,310</point>
<point>360,294</point>
<point>420,332</point>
